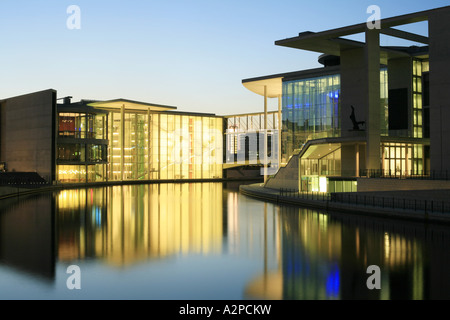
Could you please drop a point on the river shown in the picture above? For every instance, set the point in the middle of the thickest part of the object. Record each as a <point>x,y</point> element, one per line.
<point>205,241</point>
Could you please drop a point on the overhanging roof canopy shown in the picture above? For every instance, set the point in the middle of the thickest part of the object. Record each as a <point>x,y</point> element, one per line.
<point>273,85</point>
<point>320,151</point>
<point>130,105</point>
<point>330,41</point>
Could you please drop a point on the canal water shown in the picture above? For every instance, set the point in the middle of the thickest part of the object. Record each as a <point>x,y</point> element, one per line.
<point>206,241</point>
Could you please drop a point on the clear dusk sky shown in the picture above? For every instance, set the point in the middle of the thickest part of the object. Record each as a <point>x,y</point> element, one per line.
<point>190,54</point>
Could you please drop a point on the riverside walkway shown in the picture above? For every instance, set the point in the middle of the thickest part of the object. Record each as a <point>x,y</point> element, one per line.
<point>429,205</point>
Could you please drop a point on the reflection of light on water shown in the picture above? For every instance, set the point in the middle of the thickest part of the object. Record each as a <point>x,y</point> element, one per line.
<point>233,228</point>
<point>333,283</point>
<point>97,217</point>
<point>387,246</point>
<point>124,225</point>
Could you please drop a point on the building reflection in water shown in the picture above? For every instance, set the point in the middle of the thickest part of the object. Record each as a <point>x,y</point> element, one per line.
<point>293,253</point>
<point>127,224</point>
<point>325,256</point>
<point>27,235</point>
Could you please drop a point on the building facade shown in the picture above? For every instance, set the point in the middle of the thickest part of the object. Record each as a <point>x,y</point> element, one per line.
<point>370,111</point>
<point>117,140</point>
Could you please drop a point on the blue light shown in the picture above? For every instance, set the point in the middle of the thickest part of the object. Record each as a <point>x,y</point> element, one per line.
<point>97,216</point>
<point>333,283</point>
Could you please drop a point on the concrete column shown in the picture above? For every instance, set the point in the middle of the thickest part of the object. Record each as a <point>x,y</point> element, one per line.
<point>439,35</point>
<point>406,160</point>
<point>372,57</point>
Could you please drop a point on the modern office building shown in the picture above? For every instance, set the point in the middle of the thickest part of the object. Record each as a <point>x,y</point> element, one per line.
<point>371,110</point>
<point>117,140</point>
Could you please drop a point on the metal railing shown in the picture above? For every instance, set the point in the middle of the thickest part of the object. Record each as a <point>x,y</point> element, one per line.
<point>364,200</point>
<point>317,196</point>
<point>411,174</point>
<point>417,205</point>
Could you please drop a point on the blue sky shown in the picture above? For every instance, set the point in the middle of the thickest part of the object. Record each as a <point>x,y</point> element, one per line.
<point>190,54</point>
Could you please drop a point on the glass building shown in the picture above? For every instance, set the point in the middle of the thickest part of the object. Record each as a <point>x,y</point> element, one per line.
<point>124,140</point>
<point>310,111</point>
<point>329,139</point>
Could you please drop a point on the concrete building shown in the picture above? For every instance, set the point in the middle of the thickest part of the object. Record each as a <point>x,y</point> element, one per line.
<point>372,110</point>
<point>117,140</point>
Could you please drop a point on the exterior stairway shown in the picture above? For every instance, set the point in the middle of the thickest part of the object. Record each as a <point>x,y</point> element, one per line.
<point>286,177</point>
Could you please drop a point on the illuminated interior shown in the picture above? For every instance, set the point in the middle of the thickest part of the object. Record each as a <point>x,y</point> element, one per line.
<point>128,140</point>
<point>81,153</point>
<point>125,225</point>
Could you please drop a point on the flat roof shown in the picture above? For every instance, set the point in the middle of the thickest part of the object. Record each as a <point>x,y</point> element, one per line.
<point>130,104</point>
<point>274,83</point>
<point>330,41</point>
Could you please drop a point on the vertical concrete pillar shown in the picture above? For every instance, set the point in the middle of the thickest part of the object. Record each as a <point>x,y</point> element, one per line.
<point>406,160</point>
<point>372,61</point>
<point>439,35</point>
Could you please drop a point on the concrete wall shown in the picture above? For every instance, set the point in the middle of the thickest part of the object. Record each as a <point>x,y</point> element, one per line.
<point>287,177</point>
<point>360,88</point>
<point>439,34</point>
<point>353,90</point>
<point>366,185</point>
<point>28,133</point>
<point>348,162</point>
<point>399,77</point>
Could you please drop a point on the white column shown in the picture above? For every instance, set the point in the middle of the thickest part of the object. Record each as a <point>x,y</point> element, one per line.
<point>406,160</point>
<point>122,141</point>
<point>280,123</point>
<point>265,134</point>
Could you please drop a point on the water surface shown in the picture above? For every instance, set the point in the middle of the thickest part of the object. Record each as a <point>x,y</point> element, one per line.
<point>206,241</point>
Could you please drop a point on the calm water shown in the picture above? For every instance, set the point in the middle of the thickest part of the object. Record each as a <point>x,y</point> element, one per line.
<point>206,241</point>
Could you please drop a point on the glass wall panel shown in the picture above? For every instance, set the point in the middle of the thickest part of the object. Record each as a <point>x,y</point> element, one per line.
<point>71,152</point>
<point>171,146</point>
<point>71,174</point>
<point>310,111</point>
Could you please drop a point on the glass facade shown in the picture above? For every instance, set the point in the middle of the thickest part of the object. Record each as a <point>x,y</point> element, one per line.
<point>310,111</point>
<point>384,102</point>
<point>82,147</point>
<point>160,146</point>
<point>245,134</point>
<point>82,125</point>
<point>317,165</point>
<point>400,159</point>
<point>126,144</point>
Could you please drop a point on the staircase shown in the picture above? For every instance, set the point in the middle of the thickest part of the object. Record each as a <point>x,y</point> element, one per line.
<point>286,177</point>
